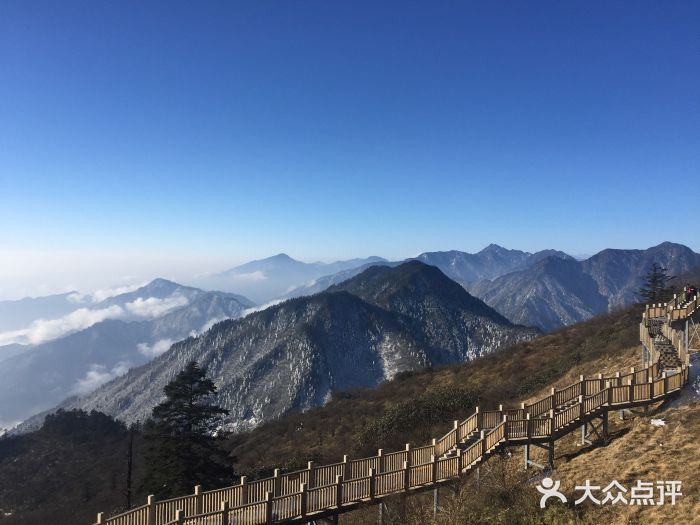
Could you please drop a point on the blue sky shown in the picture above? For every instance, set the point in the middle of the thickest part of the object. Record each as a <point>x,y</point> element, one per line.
<point>195,135</point>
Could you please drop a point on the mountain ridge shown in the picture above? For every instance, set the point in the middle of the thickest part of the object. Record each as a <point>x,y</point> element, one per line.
<point>293,355</point>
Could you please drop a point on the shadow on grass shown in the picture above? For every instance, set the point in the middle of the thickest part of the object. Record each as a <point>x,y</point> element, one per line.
<point>598,443</point>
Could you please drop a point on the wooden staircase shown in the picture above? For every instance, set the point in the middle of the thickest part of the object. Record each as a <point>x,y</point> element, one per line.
<point>669,360</point>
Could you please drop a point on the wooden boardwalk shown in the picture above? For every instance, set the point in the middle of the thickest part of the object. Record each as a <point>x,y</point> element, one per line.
<point>328,490</point>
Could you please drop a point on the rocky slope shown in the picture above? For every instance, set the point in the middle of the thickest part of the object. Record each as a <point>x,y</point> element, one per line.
<point>550,294</point>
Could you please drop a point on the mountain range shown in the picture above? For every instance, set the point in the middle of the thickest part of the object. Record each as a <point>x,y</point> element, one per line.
<point>292,356</point>
<point>142,324</point>
<point>547,289</point>
<point>274,277</point>
<point>85,348</point>
<point>558,292</point>
<point>490,263</point>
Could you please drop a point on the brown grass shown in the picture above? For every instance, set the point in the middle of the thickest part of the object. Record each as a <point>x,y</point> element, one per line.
<point>506,494</point>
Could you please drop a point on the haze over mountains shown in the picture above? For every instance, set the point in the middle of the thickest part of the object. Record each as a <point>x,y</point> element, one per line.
<point>18,314</point>
<point>293,355</point>
<point>272,278</point>
<point>141,325</point>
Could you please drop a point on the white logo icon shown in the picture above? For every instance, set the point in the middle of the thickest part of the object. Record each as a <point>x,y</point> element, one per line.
<point>550,489</point>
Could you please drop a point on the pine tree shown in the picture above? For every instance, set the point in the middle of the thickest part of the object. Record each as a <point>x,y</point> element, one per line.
<point>656,287</point>
<point>181,447</point>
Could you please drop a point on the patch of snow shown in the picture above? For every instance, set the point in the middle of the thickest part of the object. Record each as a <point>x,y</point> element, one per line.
<point>658,422</point>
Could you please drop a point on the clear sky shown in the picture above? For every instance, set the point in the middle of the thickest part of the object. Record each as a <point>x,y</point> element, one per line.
<point>180,136</point>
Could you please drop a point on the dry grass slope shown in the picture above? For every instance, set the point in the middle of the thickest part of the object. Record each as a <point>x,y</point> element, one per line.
<point>417,406</point>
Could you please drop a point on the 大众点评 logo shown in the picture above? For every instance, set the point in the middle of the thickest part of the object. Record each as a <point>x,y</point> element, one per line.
<point>641,493</point>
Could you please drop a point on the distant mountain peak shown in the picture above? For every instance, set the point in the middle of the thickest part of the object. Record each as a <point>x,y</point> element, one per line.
<point>493,247</point>
<point>160,286</point>
<point>160,281</point>
<point>666,245</point>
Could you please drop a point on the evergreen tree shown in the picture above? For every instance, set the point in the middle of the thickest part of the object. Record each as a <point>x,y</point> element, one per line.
<point>182,449</point>
<point>656,287</point>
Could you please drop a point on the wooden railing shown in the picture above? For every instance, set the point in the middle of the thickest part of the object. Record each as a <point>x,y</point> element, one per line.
<point>327,489</point>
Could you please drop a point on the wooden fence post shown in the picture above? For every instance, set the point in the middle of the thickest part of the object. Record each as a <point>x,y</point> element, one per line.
<point>582,408</point>
<point>551,419</point>
<point>617,379</point>
<point>582,380</point>
<point>345,467</point>
<point>244,490</point>
<point>277,483</point>
<point>505,427</point>
<point>179,517</point>
<point>224,513</point>
<point>631,397</point>
<point>339,491</point>
<point>268,507</point>
<point>528,426</point>
<point>151,515</point>
<point>312,475</point>
<point>479,419</point>
<point>434,466</point>
<point>651,388</point>
<point>553,396</point>
<point>380,461</point>
<point>406,476</point>
<point>665,378</point>
<point>198,499</point>
<point>483,443</point>
<point>100,518</point>
<point>304,500</point>
<point>372,484</point>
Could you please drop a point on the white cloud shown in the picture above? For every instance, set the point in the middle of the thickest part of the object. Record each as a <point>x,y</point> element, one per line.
<point>43,330</point>
<point>251,277</point>
<point>102,294</point>
<point>7,425</point>
<point>155,307</point>
<point>97,376</point>
<point>78,298</point>
<point>206,326</point>
<point>155,349</point>
<point>265,306</point>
